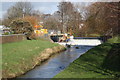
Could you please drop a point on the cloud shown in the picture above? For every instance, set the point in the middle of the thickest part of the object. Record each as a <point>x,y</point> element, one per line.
<point>42,9</point>
<point>46,7</point>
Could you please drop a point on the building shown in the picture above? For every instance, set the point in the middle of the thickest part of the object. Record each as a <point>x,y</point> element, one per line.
<point>4,29</point>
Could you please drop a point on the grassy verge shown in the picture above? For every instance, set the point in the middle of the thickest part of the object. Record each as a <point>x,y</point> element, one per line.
<point>102,61</point>
<point>115,39</point>
<point>19,57</point>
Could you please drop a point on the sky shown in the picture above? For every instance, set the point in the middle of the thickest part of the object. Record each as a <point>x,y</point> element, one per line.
<point>44,6</point>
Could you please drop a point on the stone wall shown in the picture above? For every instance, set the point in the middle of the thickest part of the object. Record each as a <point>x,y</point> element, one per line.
<point>12,38</point>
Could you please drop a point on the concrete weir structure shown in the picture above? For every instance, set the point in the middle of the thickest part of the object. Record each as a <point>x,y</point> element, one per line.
<point>91,41</point>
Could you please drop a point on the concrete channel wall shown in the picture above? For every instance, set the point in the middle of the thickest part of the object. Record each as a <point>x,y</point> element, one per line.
<point>56,38</point>
<point>12,38</point>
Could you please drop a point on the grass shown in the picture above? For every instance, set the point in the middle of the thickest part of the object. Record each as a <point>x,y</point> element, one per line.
<point>94,35</point>
<point>115,39</point>
<point>18,56</point>
<point>102,61</point>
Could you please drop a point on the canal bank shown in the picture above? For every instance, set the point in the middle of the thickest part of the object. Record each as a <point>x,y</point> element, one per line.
<point>102,61</point>
<point>20,57</point>
<point>56,63</point>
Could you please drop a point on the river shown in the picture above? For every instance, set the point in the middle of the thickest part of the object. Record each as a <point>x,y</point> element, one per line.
<point>56,63</point>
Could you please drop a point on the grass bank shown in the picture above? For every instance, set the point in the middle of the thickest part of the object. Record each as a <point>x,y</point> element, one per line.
<point>115,39</point>
<point>19,57</point>
<point>102,61</point>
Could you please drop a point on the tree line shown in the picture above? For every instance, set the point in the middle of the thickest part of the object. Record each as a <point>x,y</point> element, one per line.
<point>103,19</point>
<point>95,19</point>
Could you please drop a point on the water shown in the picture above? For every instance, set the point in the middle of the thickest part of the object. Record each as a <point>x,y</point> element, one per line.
<point>56,63</point>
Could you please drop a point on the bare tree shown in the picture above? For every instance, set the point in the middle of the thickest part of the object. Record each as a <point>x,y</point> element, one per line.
<point>51,23</point>
<point>70,17</point>
<point>103,18</point>
<point>65,9</point>
<point>19,10</point>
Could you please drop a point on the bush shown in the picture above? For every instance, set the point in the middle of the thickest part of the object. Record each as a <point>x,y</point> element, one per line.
<point>6,33</point>
<point>22,27</point>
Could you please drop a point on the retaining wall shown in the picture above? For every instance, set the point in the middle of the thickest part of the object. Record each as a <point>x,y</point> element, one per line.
<point>12,38</point>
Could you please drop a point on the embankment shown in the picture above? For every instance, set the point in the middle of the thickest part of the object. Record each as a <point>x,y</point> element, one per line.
<point>102,61</point>
<point>20,57</point>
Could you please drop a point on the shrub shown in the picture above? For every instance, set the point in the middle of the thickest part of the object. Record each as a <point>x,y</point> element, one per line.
<point>22,27</point>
